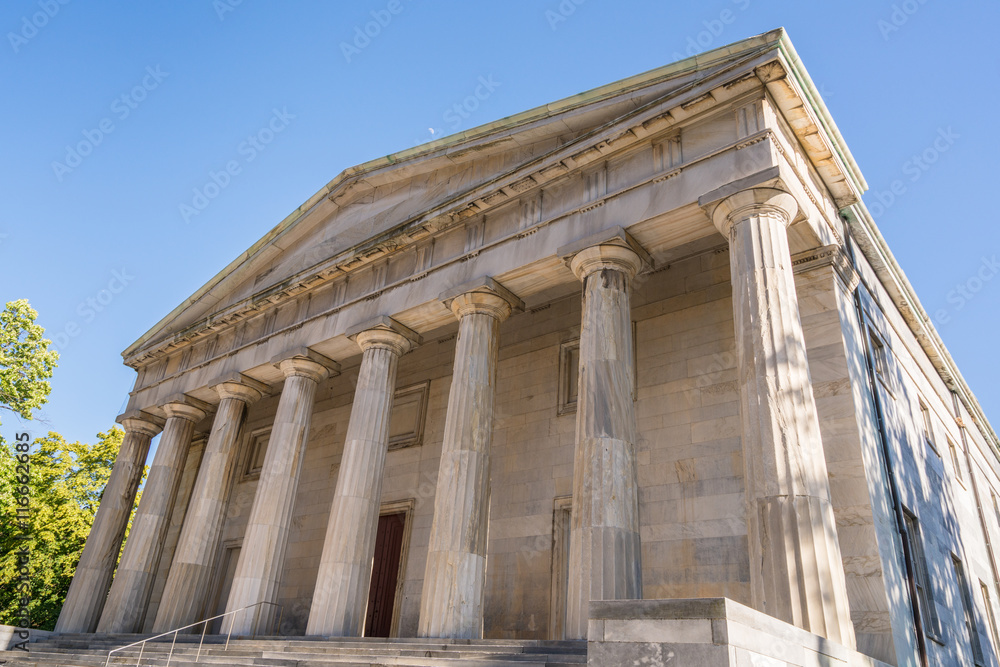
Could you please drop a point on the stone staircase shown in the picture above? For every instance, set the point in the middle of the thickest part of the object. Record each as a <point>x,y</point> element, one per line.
<point>88,650</point>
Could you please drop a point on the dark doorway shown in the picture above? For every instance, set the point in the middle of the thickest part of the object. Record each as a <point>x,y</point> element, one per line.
<point>385,575</point>
<point>227,572</point>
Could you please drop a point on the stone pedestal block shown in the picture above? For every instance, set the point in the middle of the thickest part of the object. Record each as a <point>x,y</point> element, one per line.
<point>707,632</point>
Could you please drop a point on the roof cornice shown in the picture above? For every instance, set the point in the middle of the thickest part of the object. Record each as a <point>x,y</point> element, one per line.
<point>903,296</point>
<point>714,63</point>
<point>235,270</point>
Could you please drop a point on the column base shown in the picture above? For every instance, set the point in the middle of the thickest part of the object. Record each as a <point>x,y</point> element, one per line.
<point>796,583</point>
<point>460,597</point>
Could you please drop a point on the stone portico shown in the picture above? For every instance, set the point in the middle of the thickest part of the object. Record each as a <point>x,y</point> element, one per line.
<point>468,389</point>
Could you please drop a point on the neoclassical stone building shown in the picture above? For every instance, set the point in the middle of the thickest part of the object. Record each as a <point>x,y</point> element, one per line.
<point>642,343</point>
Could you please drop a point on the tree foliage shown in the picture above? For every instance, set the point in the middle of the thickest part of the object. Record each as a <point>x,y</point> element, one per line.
<point>67,480</point>
<point>26,362</point>
<point>64,485</point>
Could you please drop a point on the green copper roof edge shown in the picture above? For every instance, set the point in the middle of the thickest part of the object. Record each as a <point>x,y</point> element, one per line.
<point>777,37</point>
<point>798,71</point>
<point>605,91</point>
<point>858,214</point>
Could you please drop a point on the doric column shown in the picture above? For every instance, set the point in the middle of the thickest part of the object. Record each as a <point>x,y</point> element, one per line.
<point>258,571</point>
<point>125,608</point>
<point>452,601</point>
<point>89,588</point>
<point>340,599</point>
<point>796,571</point>
<point>186,591</point>
<point>605,554</point>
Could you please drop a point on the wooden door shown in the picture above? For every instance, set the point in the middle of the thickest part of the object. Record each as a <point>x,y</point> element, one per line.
<point>385,575</point>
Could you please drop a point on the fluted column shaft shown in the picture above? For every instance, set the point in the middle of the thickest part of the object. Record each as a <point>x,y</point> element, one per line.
<point>605,554</point>
<point>796,570</point>
<point>452,601</point>
<point>258,571</point>
<point>186,591</point>
<point>126,605</point>
<point>87,592</point>
<point>340,599</point>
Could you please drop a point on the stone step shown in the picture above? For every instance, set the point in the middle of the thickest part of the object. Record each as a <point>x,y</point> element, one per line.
<point>533,655</point>
<point>330,655</point>
<point>75,660</point>
<point>310,644</point>
<point>80,650</point>
<point>194,638</point>
<point>317,646</point>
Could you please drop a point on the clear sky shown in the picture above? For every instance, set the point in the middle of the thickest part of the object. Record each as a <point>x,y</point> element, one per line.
<point>114,115</point>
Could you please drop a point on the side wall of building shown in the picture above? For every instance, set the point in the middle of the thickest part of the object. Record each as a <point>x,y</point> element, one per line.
<point>930,455</point>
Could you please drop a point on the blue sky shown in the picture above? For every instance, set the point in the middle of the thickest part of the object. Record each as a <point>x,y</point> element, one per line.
<point>106,240</point>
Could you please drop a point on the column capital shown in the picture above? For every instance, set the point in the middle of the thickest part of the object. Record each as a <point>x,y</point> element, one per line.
<point>606,256</point>
<point>483,295</point>
<point>612,248</point>
<point>138,421</point>
<point>303,362</point>
<point>384,332</point>
<point>239,386</point>
<point>767,202</point>
<point>185,407</point>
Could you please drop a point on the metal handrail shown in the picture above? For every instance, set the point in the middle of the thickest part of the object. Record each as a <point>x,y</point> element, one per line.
<point>142,643</point>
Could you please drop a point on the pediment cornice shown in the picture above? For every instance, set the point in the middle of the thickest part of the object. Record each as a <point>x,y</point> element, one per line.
<point>722,82</point>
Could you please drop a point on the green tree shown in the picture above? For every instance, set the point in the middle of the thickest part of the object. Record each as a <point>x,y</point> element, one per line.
<point>67,480</point>
<point>64,486</point>
<point>26,362</point>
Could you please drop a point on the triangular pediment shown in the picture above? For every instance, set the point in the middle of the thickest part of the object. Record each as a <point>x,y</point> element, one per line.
<point>398,199</point>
